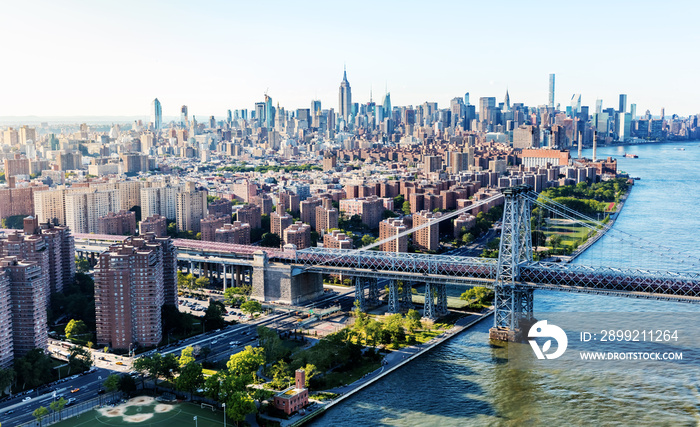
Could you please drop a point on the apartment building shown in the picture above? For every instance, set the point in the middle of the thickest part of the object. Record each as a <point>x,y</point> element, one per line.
<point>389,228</point>
<point>121,223</point>
<point>426,238</point>
<point>237,233</point>
<point>156,224</point>
<point>298,234</point>
<point>131,286</point>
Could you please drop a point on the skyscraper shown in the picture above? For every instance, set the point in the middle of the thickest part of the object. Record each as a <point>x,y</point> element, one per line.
<point>269,113</point>
<point>551,91</point>
<point>345,98</point>
<point>183,116</point>
<point>466,98</point>
<point>156,115</point>
<point>623,103</point>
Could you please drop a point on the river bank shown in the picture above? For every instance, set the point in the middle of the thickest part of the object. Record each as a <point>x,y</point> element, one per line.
<point>600,233</point>
<point>393,361</point>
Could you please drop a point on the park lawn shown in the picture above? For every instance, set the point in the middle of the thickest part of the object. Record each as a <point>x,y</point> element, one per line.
<point>209,372</point>
<point>452,302</point>
<point>337,379</point>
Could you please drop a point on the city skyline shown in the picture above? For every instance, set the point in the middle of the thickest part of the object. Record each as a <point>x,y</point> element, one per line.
<point>215,57</point>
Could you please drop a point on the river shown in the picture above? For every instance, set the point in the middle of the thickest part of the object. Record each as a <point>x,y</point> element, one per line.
<point>467,381</point>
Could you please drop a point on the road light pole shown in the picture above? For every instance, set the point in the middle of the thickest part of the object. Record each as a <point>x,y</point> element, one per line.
<point>224,404</point>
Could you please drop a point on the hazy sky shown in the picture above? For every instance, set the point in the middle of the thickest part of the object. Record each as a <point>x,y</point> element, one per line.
<point>113,57</point>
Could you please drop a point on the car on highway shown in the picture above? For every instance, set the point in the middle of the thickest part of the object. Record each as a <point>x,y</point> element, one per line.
<point>70,401</point>
<point>234,343</point>
<point>9,412</point>
<point>214,342</point>
<point>75,390</point>
<point>120,363</point>
<point>26,399</point>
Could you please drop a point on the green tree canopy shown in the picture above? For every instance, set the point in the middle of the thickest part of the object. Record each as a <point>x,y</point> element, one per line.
<point>75,328</point>
<point>246,362</point>
<point>186,356</point>
<point>191,377</point>
<point>406,207</point>
<point>251,306</point>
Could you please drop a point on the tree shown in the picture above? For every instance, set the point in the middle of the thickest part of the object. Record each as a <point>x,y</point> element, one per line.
<point>6,378</point>
<point>281,374</point>
<point>467,237</point>
<point>388,214</point>
<point>39,413</point>
<point>398,200</point>
<point>127,384</point>
<point>201,283</point>
<point>233,296</point>
<point>169,366</point>
<point>251,306</point>
<point>75,328</point>
<point>310,371</point>
<point>367,240</point>
<point>393,324</point>
<point>191,377</point>
<point>270,341</point>
<point>144,366</point>
<point>477,296</point>
<point>112,383</point>
<point>247,362</point>
<point>186,356</point>
<point>270,240</point>
<point>57,406</point>
<point>82,265</point>
<point>412,320</point>
<point>238,405</point>
<point>214,316</point>
<point>79,359</point>
<point>33,369</point>
<point>406,207</point>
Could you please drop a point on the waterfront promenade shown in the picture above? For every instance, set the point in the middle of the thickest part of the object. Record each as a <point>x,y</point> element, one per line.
<point>392,362</point>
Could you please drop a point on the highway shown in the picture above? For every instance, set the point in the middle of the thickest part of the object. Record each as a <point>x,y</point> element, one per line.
<point>89,384</point>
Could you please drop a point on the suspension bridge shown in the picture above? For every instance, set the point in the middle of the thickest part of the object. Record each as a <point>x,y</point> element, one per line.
<point>514,275</point>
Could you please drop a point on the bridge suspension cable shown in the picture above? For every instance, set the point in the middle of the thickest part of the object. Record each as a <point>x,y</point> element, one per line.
<point>432,222</point>
<point>622,236</point>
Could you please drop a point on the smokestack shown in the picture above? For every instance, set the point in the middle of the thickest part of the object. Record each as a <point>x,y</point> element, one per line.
<point>595,143</point>
<point>579,145</point>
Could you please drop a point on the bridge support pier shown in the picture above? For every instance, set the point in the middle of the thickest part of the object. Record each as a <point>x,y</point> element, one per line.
<point>394,306</point>
<point>429,309</point>
<point>441,299</point>
<point>373,292</point>
<point>406,296</point>
<point>360,293</point>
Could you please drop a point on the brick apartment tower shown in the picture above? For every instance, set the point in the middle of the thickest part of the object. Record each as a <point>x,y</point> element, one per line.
<point>6,347</point>
<point>28,286</point>
<point>133,280</point>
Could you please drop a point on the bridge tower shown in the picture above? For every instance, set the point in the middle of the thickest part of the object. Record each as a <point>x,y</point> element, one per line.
<point>513,301</point>
<point>372,292</point>
<point>406,296</point>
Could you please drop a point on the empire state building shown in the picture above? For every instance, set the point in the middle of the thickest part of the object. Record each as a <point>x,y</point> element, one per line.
<point>345,98</point>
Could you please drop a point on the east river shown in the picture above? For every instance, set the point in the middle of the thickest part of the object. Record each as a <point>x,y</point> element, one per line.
<point>467,381</point>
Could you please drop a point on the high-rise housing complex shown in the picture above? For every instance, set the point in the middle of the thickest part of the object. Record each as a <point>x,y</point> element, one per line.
<point>6,348</point>
<point>191,208</point>
<point>250,214</point>
<point>427,237</point>
<point>551,91</point>
<point>156,115</point>
<point>345,98</point>
<point>83,210</point>
<point>389,228</point>
<point>159,201</point>
<point>156,224</point>
<point>28,298</point>
<point>133,280</point>
<point>298,234</point>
